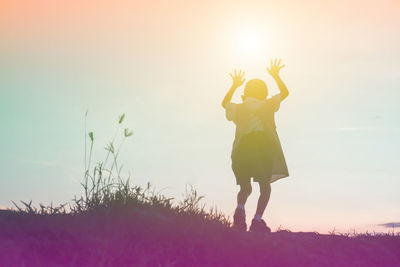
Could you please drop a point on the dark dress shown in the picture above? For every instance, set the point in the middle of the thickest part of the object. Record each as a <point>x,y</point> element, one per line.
<point>257,154</point>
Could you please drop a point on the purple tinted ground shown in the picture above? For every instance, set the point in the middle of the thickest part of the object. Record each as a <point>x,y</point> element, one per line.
<point>144,238</point>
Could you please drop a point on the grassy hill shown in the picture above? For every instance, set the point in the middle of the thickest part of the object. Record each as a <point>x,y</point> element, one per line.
<point>146,229</point>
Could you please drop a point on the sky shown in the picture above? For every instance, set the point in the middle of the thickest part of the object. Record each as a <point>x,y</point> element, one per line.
<point>166,65</point>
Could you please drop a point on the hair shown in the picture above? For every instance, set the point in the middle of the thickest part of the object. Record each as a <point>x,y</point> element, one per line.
<point>256,88</point>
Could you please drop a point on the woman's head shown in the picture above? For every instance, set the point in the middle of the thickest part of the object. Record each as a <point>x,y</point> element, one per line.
<point>255,88</point>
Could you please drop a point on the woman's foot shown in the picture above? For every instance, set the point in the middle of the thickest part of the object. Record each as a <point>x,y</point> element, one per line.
<point>259,226</point>
<point>239,220</point>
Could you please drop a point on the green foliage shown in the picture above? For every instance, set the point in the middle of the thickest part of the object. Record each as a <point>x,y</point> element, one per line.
<point>121,118</point>
<point>104,188</point>
<point>127,132</point>
<point>110,148</point>
<point>91,136</point>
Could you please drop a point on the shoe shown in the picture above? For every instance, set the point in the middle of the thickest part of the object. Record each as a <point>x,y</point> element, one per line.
<point>259,226</point>
<point>239,220</point>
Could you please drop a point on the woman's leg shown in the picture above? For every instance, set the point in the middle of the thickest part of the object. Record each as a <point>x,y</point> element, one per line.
<point>244,193</point>
<point>239,218</point>
<point>265,192</point>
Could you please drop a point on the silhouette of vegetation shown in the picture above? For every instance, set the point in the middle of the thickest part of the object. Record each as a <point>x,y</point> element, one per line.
<point>105,188</point>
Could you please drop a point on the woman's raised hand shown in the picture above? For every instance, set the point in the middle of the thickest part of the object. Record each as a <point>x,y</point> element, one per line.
<point>275,67</point>
<point>237,78</point>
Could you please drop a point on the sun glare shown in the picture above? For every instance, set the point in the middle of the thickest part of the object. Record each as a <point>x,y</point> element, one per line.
<point>249,42</point>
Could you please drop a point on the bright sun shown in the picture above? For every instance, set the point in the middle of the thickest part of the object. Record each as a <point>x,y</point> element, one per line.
<point>249,41</point>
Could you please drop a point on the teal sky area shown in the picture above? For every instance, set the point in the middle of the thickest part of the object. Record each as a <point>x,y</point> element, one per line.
<point>166,66</point>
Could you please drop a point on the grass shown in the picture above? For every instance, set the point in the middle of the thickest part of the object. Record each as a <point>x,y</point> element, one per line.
<point>105,188</point>
<point>115,223</point>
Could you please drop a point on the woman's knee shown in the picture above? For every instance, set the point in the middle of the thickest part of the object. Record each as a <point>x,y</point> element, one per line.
<point>246,188</point>
<point>265,188</point>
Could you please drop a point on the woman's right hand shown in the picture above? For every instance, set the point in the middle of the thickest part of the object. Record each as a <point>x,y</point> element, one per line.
<point>237,78</point>
<point>275,67</point>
